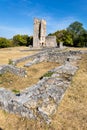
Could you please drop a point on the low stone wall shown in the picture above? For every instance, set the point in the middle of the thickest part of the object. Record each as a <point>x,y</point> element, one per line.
<point>42,99</point>
<point>48,55</point>
<point>54,56</point>
<point>16,61</point>
<point>12,69</point>
<point>61,57</point>
<point>51,41</point>
<point>43,54</point>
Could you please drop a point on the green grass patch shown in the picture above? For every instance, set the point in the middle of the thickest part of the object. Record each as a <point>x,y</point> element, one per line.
<point>10,62</point>
<point>0,75</point>
<point>16,91</point>
<point>48,74</point>
<point>1,82</point>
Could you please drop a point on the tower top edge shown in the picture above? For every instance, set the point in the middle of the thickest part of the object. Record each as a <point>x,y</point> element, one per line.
<point>39,20</point>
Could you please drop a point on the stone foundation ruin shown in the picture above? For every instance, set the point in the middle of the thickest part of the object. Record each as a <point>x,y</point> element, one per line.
<point>39,38</point>
<point>41,100</point>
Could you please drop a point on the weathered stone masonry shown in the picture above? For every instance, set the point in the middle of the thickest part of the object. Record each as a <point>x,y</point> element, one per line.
<point>39,37</point>
<point>48,55</point>
<point>43,98</point>
<point>15,70</point>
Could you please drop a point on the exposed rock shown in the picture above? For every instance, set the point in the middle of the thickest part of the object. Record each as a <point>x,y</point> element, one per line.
<point>13,69</point>
<point>67,69</point>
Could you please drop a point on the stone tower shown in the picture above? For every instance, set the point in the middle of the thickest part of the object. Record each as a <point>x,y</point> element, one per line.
<point>39,33</point>
<point>39,37</point>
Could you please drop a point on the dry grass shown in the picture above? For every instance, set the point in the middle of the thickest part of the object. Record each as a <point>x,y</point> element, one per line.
<point>15,122</point>
<point>71,113</point>
<point>21,64</point>
<point>13,53</point>
<point>77,48</point>
<point>34,72</point>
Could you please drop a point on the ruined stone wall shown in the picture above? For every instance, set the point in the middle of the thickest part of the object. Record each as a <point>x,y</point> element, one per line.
<point>60,57</point>
<point>51,41</point>
<point>43,98</point>
<point>48,55</point>
<point>40,100</point>
<point>10,68</point>
<point>43,33</point>
<point>39,32</point>
<point>36,33</point>
<point>39,36</point>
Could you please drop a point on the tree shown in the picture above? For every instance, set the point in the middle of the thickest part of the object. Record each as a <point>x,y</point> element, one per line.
<point>20,40</point>
<point>63,36</point>
<point>82,40</point>
<point>4,42</point>
<point>30,41</point>
<point>76,30</point>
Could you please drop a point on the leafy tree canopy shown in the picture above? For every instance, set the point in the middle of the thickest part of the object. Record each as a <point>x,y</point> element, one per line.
<point>76,28</point>
<point>20,40</point>
<point>63,36</point>
<point>4,42</point>
<point>78,33</point>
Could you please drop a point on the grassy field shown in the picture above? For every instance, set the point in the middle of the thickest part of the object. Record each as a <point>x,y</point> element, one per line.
<point>13,53</point>
<point>77,48</point>
<point>11,81</point>
<point>71,113</point>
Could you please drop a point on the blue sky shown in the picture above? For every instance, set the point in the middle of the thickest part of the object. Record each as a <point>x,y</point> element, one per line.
<point>16,16</point>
